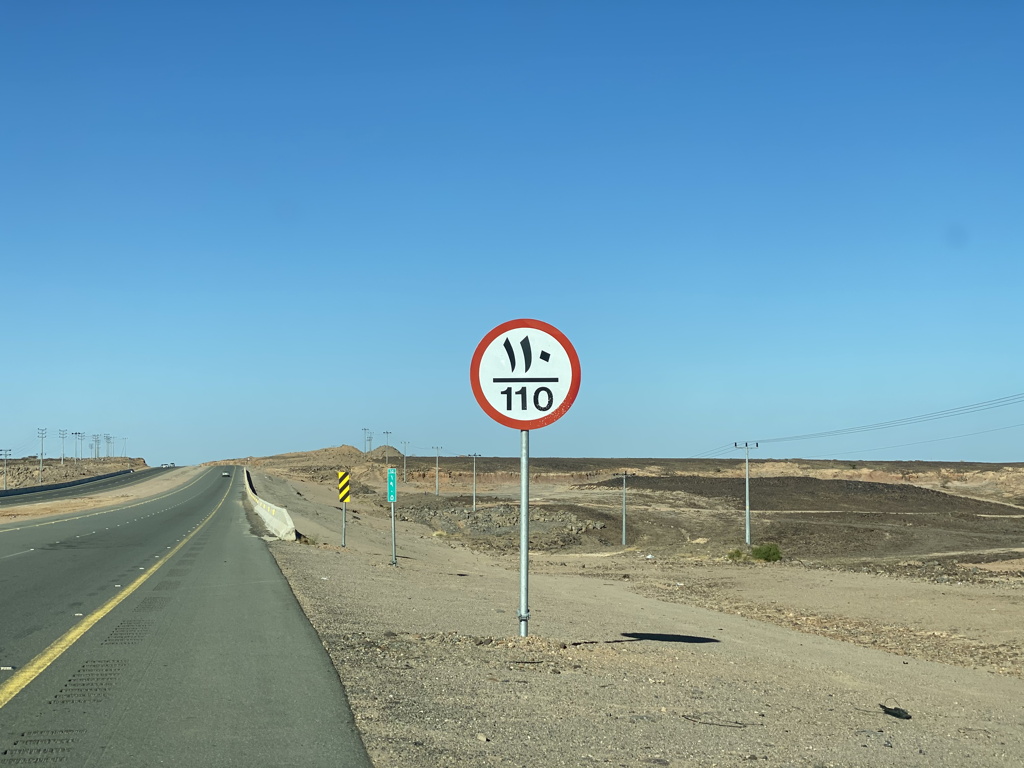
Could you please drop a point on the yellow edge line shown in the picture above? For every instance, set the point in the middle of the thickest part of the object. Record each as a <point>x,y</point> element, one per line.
<point>34,668</point>
<point>105,511</point>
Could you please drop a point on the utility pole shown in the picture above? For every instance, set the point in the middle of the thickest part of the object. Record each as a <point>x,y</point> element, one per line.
<point>366,439</point>
<point>124,448</point>
<point>437,470</point>
<point>624,476</point>
<point>387,436</point>
<point>474,455</point>
<point>63,433</point>
<point>6,453</point>
<point>78,444</point>
<point>95,446</point>
<point>41,433</point>
<point>746,449</point>
<point>405,454</point>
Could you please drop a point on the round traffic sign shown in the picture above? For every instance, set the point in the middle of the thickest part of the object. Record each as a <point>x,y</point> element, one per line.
<point>525,374</point>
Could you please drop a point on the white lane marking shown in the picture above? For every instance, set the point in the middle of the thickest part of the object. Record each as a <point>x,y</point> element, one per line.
<point>17,553</point>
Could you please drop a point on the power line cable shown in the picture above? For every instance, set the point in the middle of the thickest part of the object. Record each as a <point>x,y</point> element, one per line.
<point>714,453</point>
<point>919,442</point>
<point>1001,402</point>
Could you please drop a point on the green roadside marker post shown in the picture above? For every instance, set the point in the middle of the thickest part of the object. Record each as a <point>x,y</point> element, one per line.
<point>392,498</point>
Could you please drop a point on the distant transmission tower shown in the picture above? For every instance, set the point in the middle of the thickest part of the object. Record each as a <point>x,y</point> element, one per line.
<point>41,433</point>
<point>387,435</point>
<point>475,457</point>
<point>624,475</point>
<point>437,470</point>
<point>62,433</point>
<point>6,454</point>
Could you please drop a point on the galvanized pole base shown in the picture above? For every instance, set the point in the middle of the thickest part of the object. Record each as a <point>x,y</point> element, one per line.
<point>524,534</point>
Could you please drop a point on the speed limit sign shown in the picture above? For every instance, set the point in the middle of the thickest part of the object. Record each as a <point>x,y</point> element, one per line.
<point>525,374</point>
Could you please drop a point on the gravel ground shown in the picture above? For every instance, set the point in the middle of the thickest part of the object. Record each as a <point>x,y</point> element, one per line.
<point>637,661</point>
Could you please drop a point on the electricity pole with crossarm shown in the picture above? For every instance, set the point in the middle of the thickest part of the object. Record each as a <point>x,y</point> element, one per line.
<point>746,448</point>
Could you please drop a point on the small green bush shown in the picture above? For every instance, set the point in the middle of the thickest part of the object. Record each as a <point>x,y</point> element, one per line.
<point>737,555</point>
<point>767,552</point>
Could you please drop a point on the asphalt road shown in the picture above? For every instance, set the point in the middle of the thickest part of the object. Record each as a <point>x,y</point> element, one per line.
<point>85,489</point>
<point>161,633</point>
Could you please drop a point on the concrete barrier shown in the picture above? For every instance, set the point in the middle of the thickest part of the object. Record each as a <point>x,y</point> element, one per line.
<point>277,519</point>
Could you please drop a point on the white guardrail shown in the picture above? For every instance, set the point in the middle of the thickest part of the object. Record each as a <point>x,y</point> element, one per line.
<point>277,519</point>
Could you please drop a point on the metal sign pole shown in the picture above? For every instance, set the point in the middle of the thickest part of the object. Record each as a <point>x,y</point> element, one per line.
<point>344,492</point>
<point>394,557</point>
<point>393,497</point>
<point>524,534</point>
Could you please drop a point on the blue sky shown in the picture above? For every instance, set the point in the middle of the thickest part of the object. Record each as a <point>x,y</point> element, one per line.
<point>242,228</point>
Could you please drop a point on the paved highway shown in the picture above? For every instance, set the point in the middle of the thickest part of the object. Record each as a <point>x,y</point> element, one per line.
<point>85,489</point>
<point>161,632</point>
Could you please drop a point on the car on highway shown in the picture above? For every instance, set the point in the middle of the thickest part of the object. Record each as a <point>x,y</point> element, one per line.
<point>225,474</point>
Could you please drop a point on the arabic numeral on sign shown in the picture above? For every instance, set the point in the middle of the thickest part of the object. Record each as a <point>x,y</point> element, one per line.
<point>543,399</point>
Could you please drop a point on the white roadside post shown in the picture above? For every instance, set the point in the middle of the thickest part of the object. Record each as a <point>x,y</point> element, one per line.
<point>392,497</point>
<point>525,375</point>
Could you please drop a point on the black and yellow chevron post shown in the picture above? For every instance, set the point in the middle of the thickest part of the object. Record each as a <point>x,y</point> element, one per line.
<point>344,496</point>
<point>344,487</point>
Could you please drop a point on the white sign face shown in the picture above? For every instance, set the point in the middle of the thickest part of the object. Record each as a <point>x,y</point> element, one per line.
<point>525,374</point>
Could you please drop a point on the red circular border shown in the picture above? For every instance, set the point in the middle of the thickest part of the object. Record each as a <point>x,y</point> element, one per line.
<point>494,413</point>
